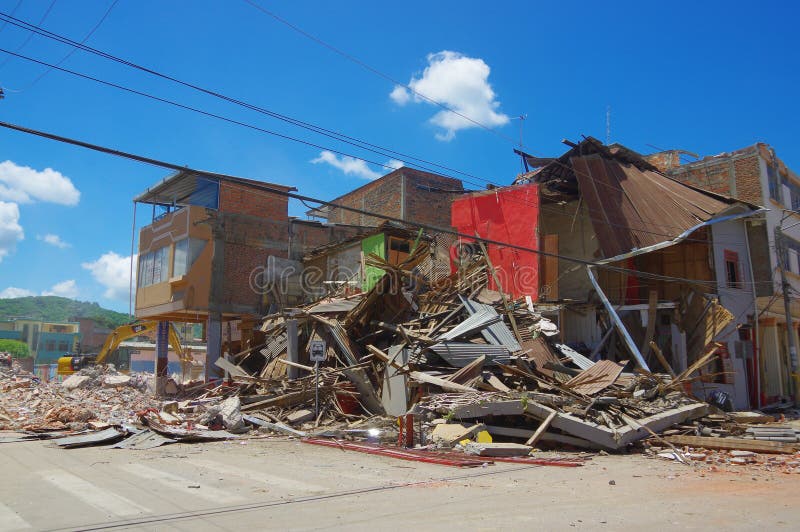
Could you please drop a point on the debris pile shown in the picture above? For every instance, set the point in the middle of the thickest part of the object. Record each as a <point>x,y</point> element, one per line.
<point>93,398</point>
<point>453,354</point>
<point>431,362</point>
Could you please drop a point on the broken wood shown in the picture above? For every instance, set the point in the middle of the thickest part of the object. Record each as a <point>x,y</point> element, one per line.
<point>541,430</point>
<point>729,444</point>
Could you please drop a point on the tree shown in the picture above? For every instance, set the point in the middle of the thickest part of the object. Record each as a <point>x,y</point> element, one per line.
<point>16,348</point>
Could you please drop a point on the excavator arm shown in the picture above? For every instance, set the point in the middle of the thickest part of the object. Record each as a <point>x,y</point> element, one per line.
<point>122,333</point>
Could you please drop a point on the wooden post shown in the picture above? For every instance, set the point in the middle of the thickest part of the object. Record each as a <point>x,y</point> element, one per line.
<point>542,428</point>
<point>509,313</point>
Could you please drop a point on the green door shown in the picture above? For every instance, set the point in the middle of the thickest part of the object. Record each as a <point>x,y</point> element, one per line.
<point>375,245</point>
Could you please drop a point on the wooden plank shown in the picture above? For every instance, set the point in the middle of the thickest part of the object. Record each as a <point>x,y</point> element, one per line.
<point>595,379</point>
<point>443,384</point>
<point>757,446</point>
<point>234,370</point>
<point>542,428</point>
<point>468,372</point>
<point>661,358</point>
<point>497,384</point>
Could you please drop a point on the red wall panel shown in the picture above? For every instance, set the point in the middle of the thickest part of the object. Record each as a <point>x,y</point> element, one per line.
<point>507,215</point>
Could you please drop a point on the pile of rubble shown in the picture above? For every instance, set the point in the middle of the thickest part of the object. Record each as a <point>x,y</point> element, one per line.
<point>96,397</point>
<point>431,363</point>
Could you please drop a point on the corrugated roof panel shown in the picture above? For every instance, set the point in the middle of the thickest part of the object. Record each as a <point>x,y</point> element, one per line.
<point>496,334</point>
<point>632,208</point>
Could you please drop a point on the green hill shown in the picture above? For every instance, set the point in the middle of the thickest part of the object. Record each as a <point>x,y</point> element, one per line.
<point>54,308</point>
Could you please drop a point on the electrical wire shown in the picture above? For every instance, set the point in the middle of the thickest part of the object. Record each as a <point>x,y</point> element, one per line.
<point>55,66</point>
<point>14,10</point>
<point>300,197</point>
<point>73,50</point>
<point>378,73</point>
<point>329,133</point>
<point>28,38</point>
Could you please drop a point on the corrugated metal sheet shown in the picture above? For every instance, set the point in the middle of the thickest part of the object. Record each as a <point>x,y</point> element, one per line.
<point>577,358</point>
<point>459,354</point>
<point>476,322</point>
<point>595,379</point>
<point>632,208</point>
<point>497,334</point>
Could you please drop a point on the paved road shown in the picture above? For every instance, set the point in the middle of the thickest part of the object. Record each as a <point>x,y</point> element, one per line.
<point>269,484</point>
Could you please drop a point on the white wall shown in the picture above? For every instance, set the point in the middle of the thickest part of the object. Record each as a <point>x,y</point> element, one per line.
<point>738,300</point>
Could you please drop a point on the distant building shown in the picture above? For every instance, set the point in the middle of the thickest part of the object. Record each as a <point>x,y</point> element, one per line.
<point>47,341</point>
<point>93,334</point>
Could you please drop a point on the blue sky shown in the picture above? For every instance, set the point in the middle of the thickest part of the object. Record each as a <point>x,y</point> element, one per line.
<point>706,77</point>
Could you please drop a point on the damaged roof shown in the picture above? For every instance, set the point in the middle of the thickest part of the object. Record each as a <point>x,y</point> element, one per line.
<point>631,205</point>
<point>177,188</point>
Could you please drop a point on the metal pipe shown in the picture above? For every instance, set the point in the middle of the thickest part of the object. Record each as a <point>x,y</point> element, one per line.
<point>617,321</point>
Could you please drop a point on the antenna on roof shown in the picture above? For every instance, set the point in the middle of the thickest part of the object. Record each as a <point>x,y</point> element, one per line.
<point>521,119</point>
<point>608,125</point>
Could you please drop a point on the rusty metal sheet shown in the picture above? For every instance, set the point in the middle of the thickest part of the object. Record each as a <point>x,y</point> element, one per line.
<point>595,379</point>
<point>632,208</point>
<point>93,438</point>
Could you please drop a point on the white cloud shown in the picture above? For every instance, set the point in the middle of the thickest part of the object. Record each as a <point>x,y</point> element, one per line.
<point>53,240</point>
<point>400,95</point>
<point>10,230</point>
<point>12,291</point>
<point>113,272</point>
<point>23,184</point>
<point>64,289</point>
<point>357,167</point>
<point>462,84</point>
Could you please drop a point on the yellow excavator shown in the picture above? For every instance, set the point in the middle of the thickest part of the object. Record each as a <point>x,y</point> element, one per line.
<point>69,364</point>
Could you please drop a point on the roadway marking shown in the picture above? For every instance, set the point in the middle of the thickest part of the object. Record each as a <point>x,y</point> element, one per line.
<point>93,495</point>
<point>261,477</point>
<point>10,520</point>
<point>182,484</point>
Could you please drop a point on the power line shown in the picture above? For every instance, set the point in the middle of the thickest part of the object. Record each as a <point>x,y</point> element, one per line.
<point>14,10</point>
<point>341,137</point>
<point>375,71</point>
<point>51,66</point>
<point>69,54</point>
<point>300,197</point>
<point>305,125</point>
<point>24,43</point>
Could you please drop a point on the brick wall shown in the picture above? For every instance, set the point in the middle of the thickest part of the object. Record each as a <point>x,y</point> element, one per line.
<point>254,224</point>
<point>385,196</point>
<point>427,206</point>
<point>735,174</point>
<point>241,199</point>
<point>664,160</point>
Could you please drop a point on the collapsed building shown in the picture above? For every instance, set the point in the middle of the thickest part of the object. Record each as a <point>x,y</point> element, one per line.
<point>661,269</point>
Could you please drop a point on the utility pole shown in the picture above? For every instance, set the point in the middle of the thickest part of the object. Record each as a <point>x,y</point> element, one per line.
<point>783,257</point>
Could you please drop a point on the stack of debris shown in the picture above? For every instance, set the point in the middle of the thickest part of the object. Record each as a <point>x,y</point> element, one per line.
<point>440,363</point>
<point>450,351</point>
<point>96,397</point>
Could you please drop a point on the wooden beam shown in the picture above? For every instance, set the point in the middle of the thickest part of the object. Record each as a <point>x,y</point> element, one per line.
<point>661,358</point>
<point>542,428</point>
<point>756,446</point>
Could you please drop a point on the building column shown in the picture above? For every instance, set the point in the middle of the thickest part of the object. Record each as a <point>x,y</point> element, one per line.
<point>213,345</point>
<point>292,348</point>
<point>162,361</point>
